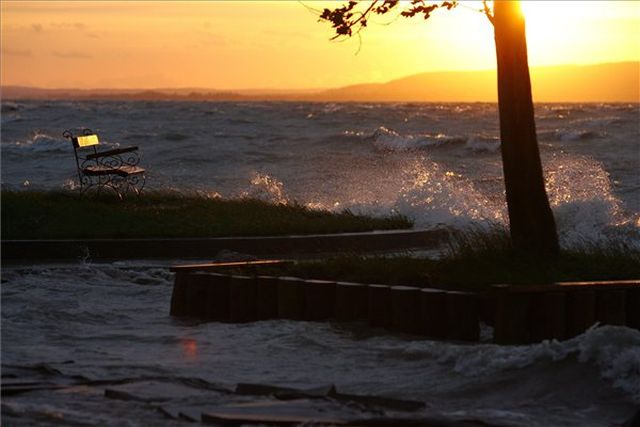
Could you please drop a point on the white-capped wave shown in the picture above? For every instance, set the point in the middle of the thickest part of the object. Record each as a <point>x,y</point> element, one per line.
<point>39,142</point>
<point>390,140</point>
<point>579,135</point>
<point>568,135</point>
<point>585,206</point>
<point>10,107</point>
<point>267,188</point>
<point>483,144</point>
<point>613,351</point>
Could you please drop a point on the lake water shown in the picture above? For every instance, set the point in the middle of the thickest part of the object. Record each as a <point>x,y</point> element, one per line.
<point>437,164</point>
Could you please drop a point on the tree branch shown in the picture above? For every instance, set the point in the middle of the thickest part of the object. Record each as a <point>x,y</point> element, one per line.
<point>487,11</point>
<point>343,19</point>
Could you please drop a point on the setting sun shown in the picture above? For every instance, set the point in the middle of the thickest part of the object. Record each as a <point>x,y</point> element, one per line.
<point>579,31</point>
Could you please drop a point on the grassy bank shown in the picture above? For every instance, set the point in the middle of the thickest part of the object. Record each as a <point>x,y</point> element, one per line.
<point>473,261</point>
<point>66,215</point>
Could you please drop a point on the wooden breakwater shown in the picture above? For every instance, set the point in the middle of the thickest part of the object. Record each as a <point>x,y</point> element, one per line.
<point>519,314</point>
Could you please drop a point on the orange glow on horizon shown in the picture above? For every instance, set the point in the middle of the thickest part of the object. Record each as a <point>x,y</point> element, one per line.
<point>280,44</point>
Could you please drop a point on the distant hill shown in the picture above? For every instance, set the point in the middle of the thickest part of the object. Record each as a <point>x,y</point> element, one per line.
<point>615,82</point>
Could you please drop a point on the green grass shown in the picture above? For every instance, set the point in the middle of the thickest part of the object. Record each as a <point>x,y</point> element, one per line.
<point>473,261</point>
<point>67,215</point>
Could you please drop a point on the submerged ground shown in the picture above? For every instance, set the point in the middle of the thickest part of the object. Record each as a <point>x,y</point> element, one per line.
<point>109,323</point>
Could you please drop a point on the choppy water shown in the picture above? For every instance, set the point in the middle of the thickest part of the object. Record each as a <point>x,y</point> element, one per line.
<point>109,322</point>
<point>438,164</point>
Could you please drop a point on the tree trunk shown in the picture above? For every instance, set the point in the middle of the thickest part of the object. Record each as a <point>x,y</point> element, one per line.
<point>531,222</point>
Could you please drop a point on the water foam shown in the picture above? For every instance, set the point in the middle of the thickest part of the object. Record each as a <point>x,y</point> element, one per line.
<point>584,204</point>
<point>38,142</point>
<point>390,140</point>
<point>613,350</point>
<point>431,194</point>
<point>483,143</point>
<point>267,188</point>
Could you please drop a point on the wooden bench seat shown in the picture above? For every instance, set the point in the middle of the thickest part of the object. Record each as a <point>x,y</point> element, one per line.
<point>123,171</point>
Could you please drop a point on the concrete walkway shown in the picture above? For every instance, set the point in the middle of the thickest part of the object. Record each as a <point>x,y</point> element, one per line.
<point>204,248</point>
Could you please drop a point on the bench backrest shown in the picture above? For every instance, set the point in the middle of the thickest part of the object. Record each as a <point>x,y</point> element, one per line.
<point>85,138</point>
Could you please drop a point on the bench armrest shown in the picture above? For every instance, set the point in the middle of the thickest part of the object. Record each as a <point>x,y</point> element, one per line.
<point>113,152</point>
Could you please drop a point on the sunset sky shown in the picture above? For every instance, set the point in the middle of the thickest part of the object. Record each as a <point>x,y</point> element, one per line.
<point>242,44</point>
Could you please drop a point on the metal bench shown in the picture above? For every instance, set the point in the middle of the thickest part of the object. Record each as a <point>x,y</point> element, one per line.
<point>115,170</point>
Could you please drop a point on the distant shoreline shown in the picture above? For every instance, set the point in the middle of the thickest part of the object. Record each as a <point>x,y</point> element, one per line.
<point>608,83</point>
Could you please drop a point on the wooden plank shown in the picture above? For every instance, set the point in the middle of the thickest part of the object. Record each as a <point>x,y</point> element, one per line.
<point>217,265</point>
<point>113,152</point>
<point>243,294</point>
<point>433,313</point>
<point>463,316</point>
<point>320,299</point>
<point>633,308</point>
<point>379,305</point>
<point>548,316</point>
<point>351,301</point>
<point>512,319</point>
<point>611,307</point>
<point>569,286</point>
<point>267,297</point>
<point>291,298</point>
<point>405,309</point>
<point>581,311</point>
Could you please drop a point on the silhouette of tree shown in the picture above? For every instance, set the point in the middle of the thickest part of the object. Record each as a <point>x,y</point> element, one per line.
<point>531,221</point>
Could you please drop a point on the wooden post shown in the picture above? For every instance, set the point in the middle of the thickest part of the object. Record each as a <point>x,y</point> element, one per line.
<point>351,301</point>
<point>433,323</point>
<point>512,317</point>
<point>611,307</point>
<point>548,316</point>
<point>379,301</point>
<point>581,311</point>
<point>487,301</point>
<point>208,296</point>
<point>320,299</point>
<point>242,299</point>
<point>267,297</point>
<point>405,309</point>
<point>633,308</point>
<point>179,294</point>
<point>291,298</point>
<point>463,316</point>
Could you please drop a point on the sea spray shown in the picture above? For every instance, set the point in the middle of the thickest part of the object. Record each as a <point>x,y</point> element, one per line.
<point>438,164</point>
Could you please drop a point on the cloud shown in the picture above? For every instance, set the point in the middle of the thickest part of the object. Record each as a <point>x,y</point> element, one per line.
<point>72,55</point>
<point>70,25</point>
<point>293,35</point>
<point>208,38</point>
<point>16,52</point>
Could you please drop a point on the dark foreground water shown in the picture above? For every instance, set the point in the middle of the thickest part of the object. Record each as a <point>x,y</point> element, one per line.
<point>110,322</point>
<point>439,164</point>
